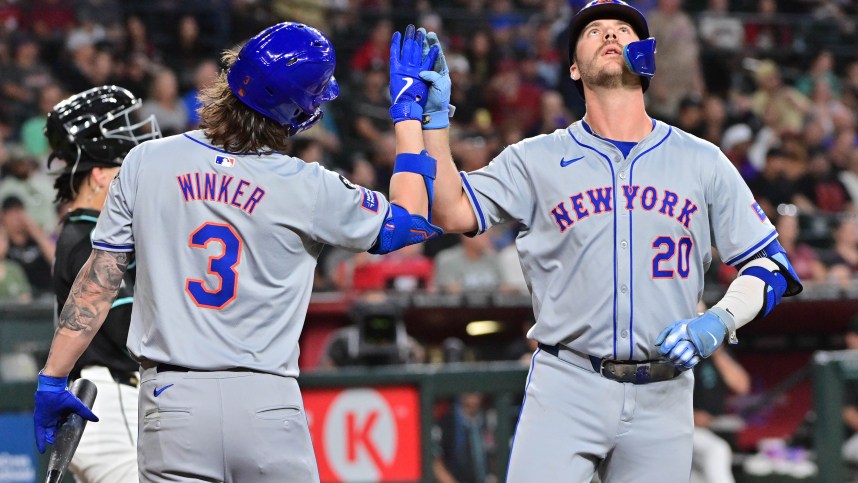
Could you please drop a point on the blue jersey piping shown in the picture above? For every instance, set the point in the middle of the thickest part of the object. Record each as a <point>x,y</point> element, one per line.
<point>614,184</point>
<point>481,221</point>
<point>122,248</point>
<point>632,252</point>
<point>754,249</point>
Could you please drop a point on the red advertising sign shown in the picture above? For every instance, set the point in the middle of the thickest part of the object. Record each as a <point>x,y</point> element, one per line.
<point>365,434</point>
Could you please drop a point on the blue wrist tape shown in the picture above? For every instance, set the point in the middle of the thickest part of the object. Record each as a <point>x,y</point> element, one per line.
<point>421,164</point>
<point>52,384</point>
<point>438,119</point>
<point>416,163</point>
<point>406,111</point>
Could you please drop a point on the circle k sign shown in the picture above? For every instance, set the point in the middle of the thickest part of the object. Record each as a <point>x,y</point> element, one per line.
<point>365,434</point>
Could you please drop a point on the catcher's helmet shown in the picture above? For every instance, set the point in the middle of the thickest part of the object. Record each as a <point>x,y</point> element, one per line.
<point>641,60</point>
<point>285,73</point>
<point>95,128</point>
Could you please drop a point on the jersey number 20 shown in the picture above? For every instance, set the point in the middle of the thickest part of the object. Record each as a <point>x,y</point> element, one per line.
<point>670,248</point>
<point>223,266</point>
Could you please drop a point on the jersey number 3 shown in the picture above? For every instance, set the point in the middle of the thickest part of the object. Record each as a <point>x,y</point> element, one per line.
<point>222,266</point>
<point>669,249</point>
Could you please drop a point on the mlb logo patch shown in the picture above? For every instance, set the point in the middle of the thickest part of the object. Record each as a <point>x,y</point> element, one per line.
<point>369,200</point>
<point>225,161</point>
<point>759,211</point>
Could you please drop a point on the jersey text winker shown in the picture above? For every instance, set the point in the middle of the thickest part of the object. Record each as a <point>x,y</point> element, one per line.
<point>214,187</point>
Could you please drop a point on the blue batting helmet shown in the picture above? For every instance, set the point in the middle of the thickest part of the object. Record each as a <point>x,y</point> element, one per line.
<point>640,57</point>
<point>285,73</point>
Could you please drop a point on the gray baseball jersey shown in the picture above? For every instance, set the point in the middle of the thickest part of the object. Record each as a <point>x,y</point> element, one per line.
<point>615,248</point>
<point>211,229</point>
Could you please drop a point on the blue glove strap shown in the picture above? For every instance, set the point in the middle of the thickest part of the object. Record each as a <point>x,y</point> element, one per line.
<point>436,120</point>
<point>52,384</point>
<point>406,111</point>
<point>709,331</point>
<point>421,164</point>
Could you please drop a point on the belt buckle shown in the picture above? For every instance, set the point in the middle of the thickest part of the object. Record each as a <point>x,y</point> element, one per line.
<point>642,373</point>
<point>603,371</point>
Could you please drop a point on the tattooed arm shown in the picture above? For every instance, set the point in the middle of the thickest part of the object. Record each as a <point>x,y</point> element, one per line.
<point>86,308</point>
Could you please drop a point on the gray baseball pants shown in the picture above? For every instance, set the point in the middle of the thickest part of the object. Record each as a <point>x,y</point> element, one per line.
<point>574,422</point>
<point>223,426</point>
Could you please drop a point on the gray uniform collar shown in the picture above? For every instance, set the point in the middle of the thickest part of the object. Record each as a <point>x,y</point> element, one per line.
<point>659,132</point>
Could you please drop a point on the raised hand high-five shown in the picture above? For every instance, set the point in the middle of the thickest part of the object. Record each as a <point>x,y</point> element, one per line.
<point>408,92</point>
<point>438,110</point>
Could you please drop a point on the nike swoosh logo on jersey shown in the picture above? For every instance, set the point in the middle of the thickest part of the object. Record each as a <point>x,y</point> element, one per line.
<point>159,391</point>
<point>564,163</point>
<point>408,82</point>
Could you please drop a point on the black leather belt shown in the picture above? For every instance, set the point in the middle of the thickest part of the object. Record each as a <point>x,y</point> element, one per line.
<point>635,372</point>
<point>175,368</point>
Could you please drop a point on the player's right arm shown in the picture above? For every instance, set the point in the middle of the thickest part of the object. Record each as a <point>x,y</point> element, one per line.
<point>83,314</point>
<point>451,209</point>
<point>87,306</point>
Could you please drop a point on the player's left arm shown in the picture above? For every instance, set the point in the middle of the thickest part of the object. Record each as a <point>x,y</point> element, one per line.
<point>762,282</point>
<point>765,274</point>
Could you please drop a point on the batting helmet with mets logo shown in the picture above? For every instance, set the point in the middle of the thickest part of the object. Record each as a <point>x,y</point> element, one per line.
<point>285,73</point>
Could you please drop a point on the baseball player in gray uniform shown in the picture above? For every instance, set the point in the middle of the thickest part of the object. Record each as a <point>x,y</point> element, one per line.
<point>226,232</point>
<point>619,214</point>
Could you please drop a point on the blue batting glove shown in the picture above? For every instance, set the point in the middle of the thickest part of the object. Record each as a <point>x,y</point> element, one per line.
<point>685,342</point>
<point>438,110</point>
<point>408,92</point>
<point>53,403</point>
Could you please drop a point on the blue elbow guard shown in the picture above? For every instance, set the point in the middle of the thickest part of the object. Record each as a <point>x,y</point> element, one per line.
<point>776,285</point>
<point>421,164</point>
<point>776,253</point>
<point>784,282</point>
<point>401,228</point>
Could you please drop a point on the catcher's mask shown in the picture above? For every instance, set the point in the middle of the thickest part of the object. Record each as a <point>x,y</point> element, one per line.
<point>285,73</point>
<point>96,128</point>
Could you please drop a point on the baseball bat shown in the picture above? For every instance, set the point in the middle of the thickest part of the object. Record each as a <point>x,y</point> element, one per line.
<point>69,432</point>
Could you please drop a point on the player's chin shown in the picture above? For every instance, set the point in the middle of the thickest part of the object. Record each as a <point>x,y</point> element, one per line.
<point>608,76</point>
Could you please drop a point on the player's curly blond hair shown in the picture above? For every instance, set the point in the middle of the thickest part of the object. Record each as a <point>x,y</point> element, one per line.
<point>231,124</point>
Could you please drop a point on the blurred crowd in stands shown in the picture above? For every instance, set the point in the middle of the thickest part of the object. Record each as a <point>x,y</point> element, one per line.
<point>774,84</point>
